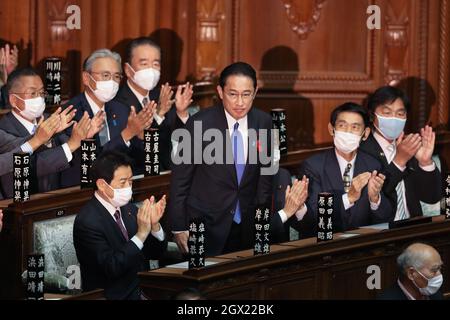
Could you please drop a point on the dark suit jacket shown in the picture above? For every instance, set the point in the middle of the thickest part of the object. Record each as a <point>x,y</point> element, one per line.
<point>9,144</point>
<point>419,184</point>
<point>170,123</point>
<point>117,118</point>
<point>325,176</point>
<point>211,191</point>
<point>46,163</point>
<point>107,260</point>
<point>396,293</point>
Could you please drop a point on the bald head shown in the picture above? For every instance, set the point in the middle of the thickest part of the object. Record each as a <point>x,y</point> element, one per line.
<point>419,256</point>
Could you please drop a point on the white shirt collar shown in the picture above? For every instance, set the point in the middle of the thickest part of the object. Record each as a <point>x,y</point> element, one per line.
<point>243,126</point>
<point>139,96</point>
<point>406,292</point>
<point>108,206</point>
<point>27,124</point>
<point>343,164</point>
<point>94,106</point>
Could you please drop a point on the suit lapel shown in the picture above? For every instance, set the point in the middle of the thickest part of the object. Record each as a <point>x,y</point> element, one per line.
<point>109,220</point>
<point>15,127</point>
<point>128,220</point>
<point>251,125</point>
<point>333,171</point>
<point>373,148</point>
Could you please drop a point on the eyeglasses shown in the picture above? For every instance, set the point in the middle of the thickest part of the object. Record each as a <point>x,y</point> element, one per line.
<point>33,95</point>
<point>106,76</point>
<point>246,96</point>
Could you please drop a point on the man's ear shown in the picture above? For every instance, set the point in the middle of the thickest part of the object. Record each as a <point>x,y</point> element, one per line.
<point>410,273</point>
<point>128,71</point>
<point>220,92</point>
<point>330,129</point>
<point>16,102</point>
<point>87,80</point>
<point>101,185</point>
<point>366,133</point>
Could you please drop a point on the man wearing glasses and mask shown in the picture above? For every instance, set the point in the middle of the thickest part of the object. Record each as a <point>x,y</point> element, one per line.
<point>27,102</point>
<point>352,177</point>
<point>123,129</point>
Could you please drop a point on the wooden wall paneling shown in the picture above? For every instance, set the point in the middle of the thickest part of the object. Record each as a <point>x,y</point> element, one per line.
<point>444,65</point>
<point>16,27</point>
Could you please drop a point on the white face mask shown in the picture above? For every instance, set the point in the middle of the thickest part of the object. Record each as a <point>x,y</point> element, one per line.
<point>434,284</point>
<point>34,108</point>
<point>146,78</point>
<point>106,90</point>
<point>346,142</point>
<point>121,196</point>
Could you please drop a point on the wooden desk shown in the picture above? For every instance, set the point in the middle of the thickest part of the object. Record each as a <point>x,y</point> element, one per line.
<point>304,269</point>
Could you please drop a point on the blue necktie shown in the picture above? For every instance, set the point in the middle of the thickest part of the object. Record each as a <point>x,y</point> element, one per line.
<point>239,163</point>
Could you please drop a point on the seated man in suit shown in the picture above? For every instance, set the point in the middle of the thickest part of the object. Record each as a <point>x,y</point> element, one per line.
<point>411,174</point>
<point>420,275</point>
<point>112,238</point>
<point>143,69</point>
<point>226,192</point>
<point>26,97</point>
<point>123,130</point>
<point>352,177</point>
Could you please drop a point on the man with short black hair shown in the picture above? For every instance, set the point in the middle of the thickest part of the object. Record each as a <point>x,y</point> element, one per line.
<point>143,69</point>
<point>114,239</point>
<point>226,193</point>
<point>27,102</point>
<point>411,174</point>
<point>352,177</point>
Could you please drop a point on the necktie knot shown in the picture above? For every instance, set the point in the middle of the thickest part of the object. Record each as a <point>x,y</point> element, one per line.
<point>236,126</point>
<point>117,215</point>
<point>145,101</point>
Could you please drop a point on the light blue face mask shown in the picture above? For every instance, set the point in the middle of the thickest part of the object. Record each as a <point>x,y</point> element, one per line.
<point>390,128</point>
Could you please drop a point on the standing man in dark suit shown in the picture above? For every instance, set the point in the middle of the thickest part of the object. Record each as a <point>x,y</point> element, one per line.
<point>123,129</point>
<point>352,177</point>
<point>411,174</point>
<point>225,191</point>
<point>27,107</point>
<point>420,275</point>
<point>114,239</point>
<point>143,69</point>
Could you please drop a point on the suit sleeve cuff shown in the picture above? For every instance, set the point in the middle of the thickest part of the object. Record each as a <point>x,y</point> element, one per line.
<point>158,119</point>
<point>67,152</point>
<point>159,234</point>
<point>399,167</point>
<point>429,167</point>
<point>347,204</point>
<point>26,147</point>
<point>137,242</point>
<point>127,143</point>
<point>375,206</point>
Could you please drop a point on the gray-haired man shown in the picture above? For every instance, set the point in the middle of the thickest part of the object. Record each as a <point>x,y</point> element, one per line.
<point>123,130</point>
<point>420,275</point>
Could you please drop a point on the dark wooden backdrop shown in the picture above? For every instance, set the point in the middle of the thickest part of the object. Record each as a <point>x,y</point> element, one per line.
<point>310,54</point>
